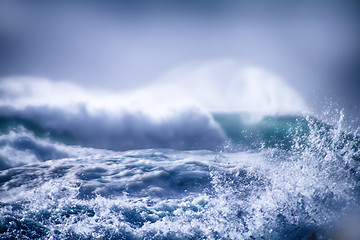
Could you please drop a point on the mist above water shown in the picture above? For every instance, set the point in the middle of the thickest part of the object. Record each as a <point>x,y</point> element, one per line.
<point>312,46</point>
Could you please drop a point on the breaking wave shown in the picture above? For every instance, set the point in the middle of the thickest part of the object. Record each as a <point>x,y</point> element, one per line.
<point>79,164</point>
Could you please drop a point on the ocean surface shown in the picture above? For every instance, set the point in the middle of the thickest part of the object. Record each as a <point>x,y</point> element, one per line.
<point>191,174</point>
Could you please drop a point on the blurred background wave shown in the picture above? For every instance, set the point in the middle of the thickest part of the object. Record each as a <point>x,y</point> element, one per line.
<point>313,45</point>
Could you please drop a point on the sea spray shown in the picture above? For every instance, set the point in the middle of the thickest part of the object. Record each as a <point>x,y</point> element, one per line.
<point>271,193</point>
<point>78,169</point>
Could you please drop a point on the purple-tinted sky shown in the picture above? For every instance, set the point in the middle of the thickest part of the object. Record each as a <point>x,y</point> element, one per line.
<point>314,45</point>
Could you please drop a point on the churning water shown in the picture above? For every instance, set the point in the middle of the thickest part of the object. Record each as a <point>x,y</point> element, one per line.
<point>189,175</point>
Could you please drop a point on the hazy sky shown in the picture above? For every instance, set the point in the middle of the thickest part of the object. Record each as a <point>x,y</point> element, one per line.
<point>313,45</point>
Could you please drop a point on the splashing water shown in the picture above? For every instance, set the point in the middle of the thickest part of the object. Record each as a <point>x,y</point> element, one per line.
<point>269,192</point>
<point>76,168</point>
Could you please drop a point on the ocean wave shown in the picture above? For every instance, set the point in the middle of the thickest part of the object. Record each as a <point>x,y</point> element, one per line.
<point>170,113</point>
<point>78,168</point>
<point>34,132</point>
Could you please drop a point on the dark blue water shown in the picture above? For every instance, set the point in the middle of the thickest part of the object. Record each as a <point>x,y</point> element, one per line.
<point>193,176</point>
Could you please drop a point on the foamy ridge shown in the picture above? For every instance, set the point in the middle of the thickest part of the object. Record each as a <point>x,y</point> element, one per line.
<point>173,112</point>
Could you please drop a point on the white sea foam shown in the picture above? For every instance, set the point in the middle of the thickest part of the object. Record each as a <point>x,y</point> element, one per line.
<point>173,112</point>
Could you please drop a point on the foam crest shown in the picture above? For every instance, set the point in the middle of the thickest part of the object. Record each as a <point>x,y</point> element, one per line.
<point>174,112</point>
<point>95,119</point>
